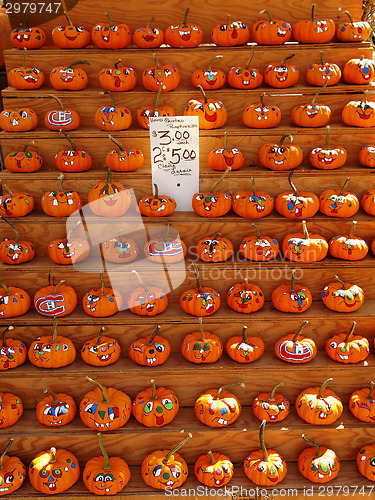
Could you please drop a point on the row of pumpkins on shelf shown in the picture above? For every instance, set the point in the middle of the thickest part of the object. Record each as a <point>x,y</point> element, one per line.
<point>111,198</point>
<point>280,74</point>
<point>56,470</point>
<point>55,351</point>
<point>60,300</point>
<point>108,35</point>
<point>211,114</point>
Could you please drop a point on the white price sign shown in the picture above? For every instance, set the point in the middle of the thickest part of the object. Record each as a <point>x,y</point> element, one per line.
<point>175,157</point>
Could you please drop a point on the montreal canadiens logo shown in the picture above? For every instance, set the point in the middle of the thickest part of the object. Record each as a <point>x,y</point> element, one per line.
<point>161,248</point>
<point>291,351</point>
<point>60,118</point>
<point>50,305</point>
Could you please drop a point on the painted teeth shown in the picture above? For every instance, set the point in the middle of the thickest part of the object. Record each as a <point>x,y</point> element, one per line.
<point>162,207</point>
<point>151,361</point>
<point>14,122</point>
<point>343,357</point>
<point>55,203</point>
<point>221,421</point>
<point>322,415</point>
<point>262,117</point>
<point>278,162</point>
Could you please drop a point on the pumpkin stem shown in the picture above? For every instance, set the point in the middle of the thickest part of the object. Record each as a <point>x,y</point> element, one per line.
<point>3,339</point>
<point>109,174</point>
<point>55,399</point>
<point>292,184</point>
<point>175,448</point>
<point>318,452</point>
<point>107,465</point>
<point>156,191</point>
<point>262,96</point>
<point>100,335</point>
<point>153,388</point>
<point>109,18</point>
<point>203,92</point>
<point>150,21</point>
<point>322,58</point>
<point>349,15</point>
<point>27,145</point>
<point>196,277</point>
<point>340,281</point>
<point>6,289</point>
<point>320,392</point>
<point>57,286</point>
<point>78,62</point>
<point>327,136</point>
<point>244,333</point>
<point>52,460</point>
<point>156,107</point>
<point>344,186</point>
<point>59,102</point>
<point>250,58</point>
<point>5,452</point>
<point>54,331</point>
<point>26,20</point>
<point>293,281</point>
<point>253,183</point>
<point>24,57</point>
<point>102,282</point>
<point>9,191</point>
<point>149,342</point>
<point>116,142</point>
<point>68,18</point>
<point>13,227</point>
<point>185,16</point>
<point>112,97</point>
<point>71,230</point>
<point>225,140</point>
<point>286,58</point>
<point>370,394</point>
<point>352,229</point>
<point>61,179</point>
<point>117,63</point>
<point>101,388</point>
<point>305,231</point>
<point>313,12</point>
<point>266,11</point>
<point>156,61</point>
<point>300,328</point>
<point>203,339</point>
<point>167,232</point>
<point>69,139</point>
<point>209,66</point>
<point>347,338</point>
<point>283,139</point>
<point>226,386</point>
<point>211,455</point>
<point>215,184</point>
<point>143,284</point>
<point>316,95</point>
<point>272,394</point>
<point>261,439</point>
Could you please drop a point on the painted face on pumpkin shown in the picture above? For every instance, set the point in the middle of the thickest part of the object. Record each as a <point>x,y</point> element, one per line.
<point>44,352</point>
<point>104,351</point>
<point>30,75</point>
<point>245,298</point>
<point>218,475</point>
<point>92,300</point>
<point>169,476</point>
<point>61,198</point>
<point>10,480</point>
<point>263,113</point>
<point>149,35</point>
<point>6,304</point>
<point>297,247</point>
<point>71,32</point>
<point>184,31</point>
<point>298,299</point>
<point>150,353</point>
<point>246,350</point>
<point>209,111</point>
<point>201,351</point>
<point>119,75</point>
<point>162,75</point>
<point>321,468</point>
<point>220,412</point>
<point>8,355</point>
<point>156,204</point>
<point>261,466</point>
<point>103,417</point>
<point>364,109</point>
<point>211,246</point>
<point>273,410</point>
<point>23,159</point>
<point>52,474</point>
<point>10,411</point>
<point>348,297</point>
<point>157,411</point>
<point>146,301</point>
<point>281,73</point>
<point>326,156</point>
<point>110,115</point>
<point>229,155</point>
<point>247,76</point>
<point>209,201</point>
<point>326,71</point>
<point>296,204</point>
<point>104,481</point>
<point>14,251</point>
<point>109,33</point>
<point>322,407</point>
<point>17,117</point>
<point>25,36</point>
<point>367,410</point>
<point>56,414</point>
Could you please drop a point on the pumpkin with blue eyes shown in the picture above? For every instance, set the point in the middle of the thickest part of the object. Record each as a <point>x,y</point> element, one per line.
<point>212,203</point>
<point>101,350</point>
<point>59,203</point>
<point>366,461</point>
<point>118,79</point>
<point>18,120</point>
<point>55,410</point>
<point>155,407</point>
<point>271,406</point>
<point>318,464</point>
<point>252,204</point>
<point>183,35</point>
<point>104,409</point>
<point>110,36</point>
<point>12,472</point>
<point>230,34</point>
<point>109,198</point>
<point>202,346</point>
<point>213,469</point>
<point>218,407</point>
<point>152,350</point>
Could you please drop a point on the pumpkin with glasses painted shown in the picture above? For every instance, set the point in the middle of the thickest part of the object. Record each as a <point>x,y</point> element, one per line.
<point>212,203</point>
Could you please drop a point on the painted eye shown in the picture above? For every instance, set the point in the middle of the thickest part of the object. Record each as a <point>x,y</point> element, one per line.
<point>8,478</point>
<point>167,403</point>
<point>199,197</point>
<point>265,405</point>
<point>6,113</point>
<point>167,72</point>
<point>225,468</point>
<point>159,347</point>
<point>194,28</point>
<point>372,462</point>
<point>43,473</point>
<point>47,348</point>
<point>115,28</point>
<point>23,114</point>
<point>70,71</point>
<point>99,478</point>
<point>80,29</point>
<point>213,199</point>
<point>93,349</point>
<point>196,347</point>
<point>91,408</point>
<point>148,407</point>
<point>60,28</point>
<point>98,27</point>
<point>109,477</point>
<point>155,31</point>
<point>175,473</point>
<point>65,347</point>
<point>157,470</point>
<point>57,472</point>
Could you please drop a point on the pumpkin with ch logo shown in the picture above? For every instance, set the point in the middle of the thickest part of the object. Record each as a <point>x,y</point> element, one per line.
<point>69,250</point>
<point>18,120</point>
<point>122,160</point>
<point>291,297</point>
<point>147,300</point>
<point>112,118</point>
<point>319,405</point>
<point>70,36</point>
<point>183,35</point>
<point>245,77</point>
<point>296,204</point>
<point>312,114</point>
<point>338,202</point>
<point>31,38</point>
<point>55,410</point>
<point>69,78</point>
<point>102,302</point>
<point>209,79</point>
<point>211,113</point>
<point>101,350</point>
<point>202,346</point>
<point>259,248</point>
<point>362,404</point>
<point>109,35</point>
<point>295,347</point>
<point>13,352</point>
<point>261,116</point>
<point>221,159</point>
<point>55,300</point>
<point>61,119</point>
<point>342,296</point>
<point>145,112</point>
<point>12,471</point>
<point>119,249</point>
<point>109,198</point>
<point>359,113</point>
<point>214,249</point>
<point>279,156</point>
<point>201,301</point>
<point>146,37</point>
<point>218,407</point>
<point>14,204</point>
<point>11,409</point>
<point>346,347</point>
<point>156,205</point>
<point>155,407</point>
<point>24,78</point>
<point>327,158</point>
<point>152,350</point>
<point>244,349</point>
<point>252,205</point>
<point>213,469</point>
<point>212,203</point>
<point>347,246</point>
<point>230,34</point>
<point>319,73</point>
<point>271,406</point>
<point>72,160</point>
<point>61,203</point>
<point>165,76</point>
<point>15,251</point>
<point>23,161</point>
<point>318,463</point>
<point>305,247</point>
<point>245,297</point>
<point>14,301</point>
<point>118,79</point>
<point>165,250</point>
<point>271,32</point>
<point>353,31</point>
<point>283,75</point>
<point>314,30</point>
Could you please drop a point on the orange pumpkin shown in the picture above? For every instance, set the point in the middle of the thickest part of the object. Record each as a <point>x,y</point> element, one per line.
<point>101,350</point>
<point>165,76</point>
<point>118,79</point>
<point>295,348</point>
<point>156,205</point>
<point>244,349</point>
<point>23,161</point>
<point>279,156</point>
<point>212,203</point>
<point>359,113</point>
<point>155,407</point>
<point>201,301</point>
<point>213,469</point>
<point>61,119</point>
<point>31,38</point>
<point>109,198</point>
<point>102,302</point>
<point>252,205</point>
<point>314,30</point>
<point>347,246</point>
<point>271,32</point>
<point>245,297</point>
<point>15,251</point>
<point>152,350</point>
<point>317,74</point>
<point>359,71</point>
<point>366,156</point>
<point>368,201</point>
<point>214,249</point>
<point>165,250</point>
<point>145,112</point>
<point>55,410</point>
<point>305,247</point>
<point>147,300</point>
<point>201,347</point>
<point>327,158</point>
<point>72,160</point>
<point>220,159</point>
<point>255,116</point>
<point>342,296</point>
<point>69,250</point>
<point>319,405</point>
<point>55,300</point>
<point>122,160</point>
<point>362,404</point>
<point>11,409</point>
<point>70,36</point>
<point>353,31</point>
<point>13,352</point>
<point>230,34</point>
<point>218,407</point>
<point>296,204</point>
<point>245,77</point>
<point>346,348</point>
<point>211,113</point>
<point>271,406</point>
<point>18,120</point>
<point>24,78</point>
<point>12,470</point>
<point>14,301</point>
<point>281,76</point>
<point>119,249</point>
<point>259,248</point>
<point>292,298</point>
<point>209,79</point>
<point>338,202</point>
<point>183,35</point>
<point>365,461</point>
<point>69,78</point>
<point>110,36</point>
<point>112,118</point>
<point>318,464</point>
<point>61,203</point>
<point>312,114</point>
<point>146,37</point>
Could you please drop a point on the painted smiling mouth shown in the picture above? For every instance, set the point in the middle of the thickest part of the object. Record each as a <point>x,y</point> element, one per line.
<point>363,116</point>
<point>105,357</point>
<point>149,38</point>
<point>110,203</point>
<point>51,486</point>
<point>298,212</point>
<point>260,208</point>
<point>210,118</point>
<point>71,38</point>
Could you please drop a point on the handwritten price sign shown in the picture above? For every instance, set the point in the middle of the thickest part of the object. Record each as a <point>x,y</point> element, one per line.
<point>175,157</point>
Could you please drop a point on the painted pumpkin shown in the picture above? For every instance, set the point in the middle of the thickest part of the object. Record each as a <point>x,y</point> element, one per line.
<point>119,249</point>
<point>104,475</point>
<point>252,205</point>
<point>165,76</point>
<point>312,114</point>
<point>230,34</point>
<point>218,407</point>
<point>338,202</point>
<point>146,37</point>
<point>109,198</point>
<point>69,78</point>
<point>18,120</point>
<point>102,302</point>
<point>214,249</point>
<point>23,161</point>
<point>305,247</point>
<point>279,156</point>
<point>202,346</point>
<point>14,301</point>
<point>118,79</point>
<point>12,471</point>
<point>101,350</point>
<point>328,158</point>
<point>261,116</point>
<point>265,467</point>
<point>209,78</point>
<point>283,75</point>
<point>342,297</point>
<point>319,73</point>
<point>147,300</point>
<point>245,77</point>
<point>213,469</point>
<point>365,461</point>
<point>31,38</point>
<point>70,36</point>
<point>165,250</point>
<point>152,350</point>
<point>211,113</point>
<point>359,113</point>
<point>347,348</point>
<point>14,204</point>
<point>69,250</point>
<point>24,77</point>
<point>183,35</point>
<point>54,471</point>
<point>319,405</point>
<point>201,301</point>
<point>15,251</point>
<point>362,404</point>
<point>244,349</point>
<point>55,300</point>
<point>104,409</point>
<point>318,463</point>
<point>366,156</point>
<point>61,203</point>
<point>112,118</point>
<point>348,247</point>
<point>368,201</point>
<point>245,297</point>
<point>52,351</point>
<point>72,160</point>
<point>122,160</point>
<point>314,30</point>
<point>359,71</point>
<point>212,203</point>
<point>155,407</point>
<point>296,204</point>
<point>13,352</point>
<point>291,297</point>
<point>145,112</point>
<point>55,410</point>
<point>156,205</point>
<point>259,248</point>
<point>110,36</point>
<point>353,31</point>
<point>271,32</point>
<point>221,159</point>
<point>11,409</point>
<point>271,406</point>
<point>295,347</point>
<point>61,119</point>
<point>163,469</point>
